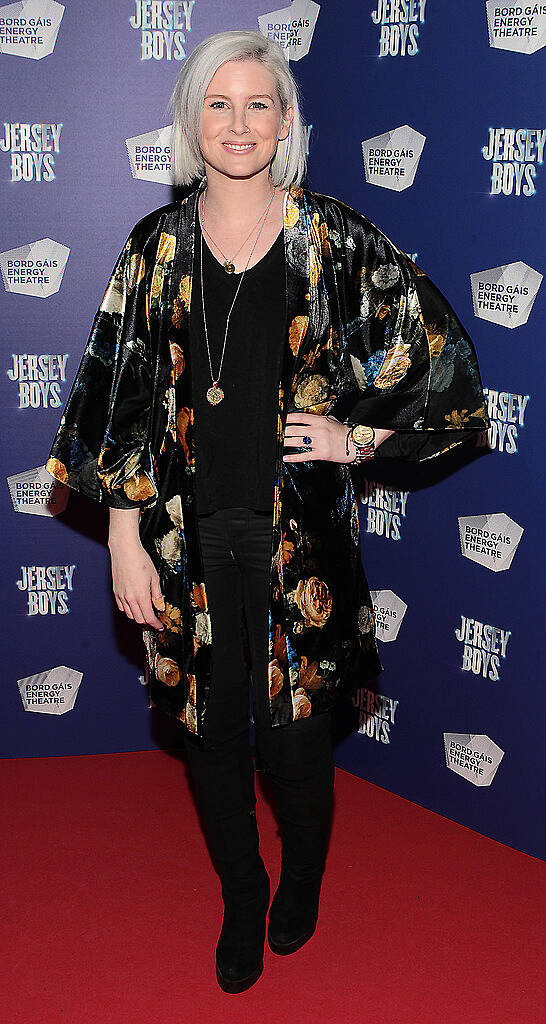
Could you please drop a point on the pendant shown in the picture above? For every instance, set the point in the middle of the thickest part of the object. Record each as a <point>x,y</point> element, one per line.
<point>215,394</point>
<point>229,267</point>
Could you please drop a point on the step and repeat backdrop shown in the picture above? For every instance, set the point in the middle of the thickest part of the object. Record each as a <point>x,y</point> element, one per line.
<point>429,118</point>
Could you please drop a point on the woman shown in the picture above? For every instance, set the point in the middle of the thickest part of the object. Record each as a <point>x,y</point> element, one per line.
<point>233,325</point>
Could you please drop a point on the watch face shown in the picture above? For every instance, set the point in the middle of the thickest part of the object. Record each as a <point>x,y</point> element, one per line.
<point>362,435</point>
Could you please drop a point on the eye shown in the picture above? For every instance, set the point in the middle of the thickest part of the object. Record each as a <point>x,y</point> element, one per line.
<point>255,103</point>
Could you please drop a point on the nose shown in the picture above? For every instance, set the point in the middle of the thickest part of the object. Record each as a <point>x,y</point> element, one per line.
<point>239,124</point>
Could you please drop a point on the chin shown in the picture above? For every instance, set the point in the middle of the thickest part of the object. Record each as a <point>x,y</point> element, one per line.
<point>231,170</point>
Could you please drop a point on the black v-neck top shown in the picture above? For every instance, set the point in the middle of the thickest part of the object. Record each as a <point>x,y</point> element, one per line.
<point>236,440</point>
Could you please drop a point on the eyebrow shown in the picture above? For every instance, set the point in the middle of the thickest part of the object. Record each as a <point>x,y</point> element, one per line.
<point>255,96</point>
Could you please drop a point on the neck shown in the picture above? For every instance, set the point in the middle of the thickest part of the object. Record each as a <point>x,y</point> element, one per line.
<point>237,200</point>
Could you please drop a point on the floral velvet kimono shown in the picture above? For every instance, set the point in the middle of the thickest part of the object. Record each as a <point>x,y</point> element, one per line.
<point>363,323</point>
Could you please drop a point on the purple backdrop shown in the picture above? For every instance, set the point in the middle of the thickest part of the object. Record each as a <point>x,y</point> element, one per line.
<point>429,119</point>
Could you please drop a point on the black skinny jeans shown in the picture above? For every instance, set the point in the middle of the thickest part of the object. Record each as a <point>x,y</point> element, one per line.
<point>236,547</point>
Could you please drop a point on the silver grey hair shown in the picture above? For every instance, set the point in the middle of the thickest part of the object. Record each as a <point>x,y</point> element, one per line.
<point>289,165</point>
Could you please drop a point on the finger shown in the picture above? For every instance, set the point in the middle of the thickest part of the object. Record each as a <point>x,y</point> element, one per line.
<point>304,428</point>
<point>156,623</point>
<point>157,601</point>
<point>304,457</point>
<point>301,416</point>
<point>157,597</point>
<point>304,418</point>
<point>301,431</point>
<point>149,616</point>
<point>153,597</point>
<point>296,442</point>
<point>126,607</point>
<point>137,611</point>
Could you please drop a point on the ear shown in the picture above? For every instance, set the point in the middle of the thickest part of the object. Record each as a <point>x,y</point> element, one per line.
<point>285,123</point>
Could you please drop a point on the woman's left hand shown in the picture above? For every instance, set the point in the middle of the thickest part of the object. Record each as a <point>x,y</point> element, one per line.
<point>327,438</point>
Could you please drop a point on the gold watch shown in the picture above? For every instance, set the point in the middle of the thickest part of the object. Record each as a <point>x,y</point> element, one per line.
<point>363,439</point>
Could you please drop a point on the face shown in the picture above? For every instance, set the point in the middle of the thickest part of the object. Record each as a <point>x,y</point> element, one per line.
<point>242,120</point>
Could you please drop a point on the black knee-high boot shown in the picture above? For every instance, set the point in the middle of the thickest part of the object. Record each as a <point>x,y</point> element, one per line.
<point>224,780</point>
<point>304,808</point>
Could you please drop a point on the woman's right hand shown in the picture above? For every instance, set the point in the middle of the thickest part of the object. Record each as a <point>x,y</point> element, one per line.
<point>135,581</point>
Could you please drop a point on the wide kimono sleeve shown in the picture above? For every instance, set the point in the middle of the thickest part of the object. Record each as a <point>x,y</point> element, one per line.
<point>415,365</point>
<point>102,445</point>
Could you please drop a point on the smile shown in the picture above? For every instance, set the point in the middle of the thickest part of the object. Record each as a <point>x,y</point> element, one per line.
<point>239,148</point>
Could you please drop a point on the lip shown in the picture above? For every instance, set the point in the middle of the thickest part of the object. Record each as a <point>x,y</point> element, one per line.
<point>249,147</point>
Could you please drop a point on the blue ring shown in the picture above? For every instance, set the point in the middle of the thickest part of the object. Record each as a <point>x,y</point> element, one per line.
<point>307,439</point>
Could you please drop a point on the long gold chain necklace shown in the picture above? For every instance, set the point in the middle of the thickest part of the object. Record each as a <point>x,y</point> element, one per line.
<point>215,393</point>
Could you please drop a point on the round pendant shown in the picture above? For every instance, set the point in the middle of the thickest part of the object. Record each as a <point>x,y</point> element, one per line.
<point>229,267</point>
<point>215,394</point>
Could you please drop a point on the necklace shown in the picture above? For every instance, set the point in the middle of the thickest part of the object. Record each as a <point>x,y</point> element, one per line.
<point>229,265</point>
<point>215,393</point>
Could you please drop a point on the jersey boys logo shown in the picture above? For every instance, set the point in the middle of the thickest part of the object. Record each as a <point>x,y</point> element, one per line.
<point>291,27</point>
<point>52,692</point>
<point>162,28</point>
<point>507,415</point>
<point>388,611</point>
<point>490,540</point>
<point>36,492</point>
<point>399,22</point>
<point>34,269</point>
<point>30,28</point>
<point>39,379</point>
<point>505,295</point>
<point>47,588</point>
<point>474,758</point>
<point>385,509</point>
<point>32,149</point>
<point>514,154</point>
<point>150,155</point>
<point>391,160</point>
<point>520,27</point>
<point>377,713</point>
<point>483,647</point>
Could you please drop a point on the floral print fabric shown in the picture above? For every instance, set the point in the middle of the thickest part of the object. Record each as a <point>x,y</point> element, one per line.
<point>365,326</point>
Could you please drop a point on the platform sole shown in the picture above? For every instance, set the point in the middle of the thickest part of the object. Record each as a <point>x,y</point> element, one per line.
<point>239,984</point>
<point>282,948</point>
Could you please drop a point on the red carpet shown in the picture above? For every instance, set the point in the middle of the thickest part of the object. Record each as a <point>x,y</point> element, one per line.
<point>113,909</point>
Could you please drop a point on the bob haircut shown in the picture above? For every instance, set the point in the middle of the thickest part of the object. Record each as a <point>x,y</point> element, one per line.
<point>289,165</point>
